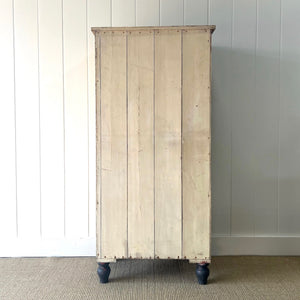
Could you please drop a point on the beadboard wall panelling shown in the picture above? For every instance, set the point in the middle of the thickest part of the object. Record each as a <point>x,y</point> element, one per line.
<point>98,14</point>
<point>289,133</point>
<point>47,118</point>
<point>147,12</point>
<point>243,117</point>
<point>221,14</point>
<point>266,117</point>
<point>8,222</point>
<point>123,12</point>
<point>51,118</point>
<point>27,92</point>
<point>195,12</point>
<point>75,45</point>
<point>171,12</point>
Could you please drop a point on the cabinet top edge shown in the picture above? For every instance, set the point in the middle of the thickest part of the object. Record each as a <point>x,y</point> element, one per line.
<point>211,28</point>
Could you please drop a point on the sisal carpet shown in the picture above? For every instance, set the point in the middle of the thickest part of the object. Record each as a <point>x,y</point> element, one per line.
<point>240,278</point>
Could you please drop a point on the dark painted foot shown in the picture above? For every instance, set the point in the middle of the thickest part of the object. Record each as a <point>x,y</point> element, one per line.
<point>202,272</point>
<point>103,272</point>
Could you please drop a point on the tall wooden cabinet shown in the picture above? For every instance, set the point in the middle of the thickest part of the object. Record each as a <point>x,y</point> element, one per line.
<point>153,144</point>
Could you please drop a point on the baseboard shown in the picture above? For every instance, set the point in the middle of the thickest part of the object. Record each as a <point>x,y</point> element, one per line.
<point>277,246</point>
<point>221,245</point>
<point>48,247</point>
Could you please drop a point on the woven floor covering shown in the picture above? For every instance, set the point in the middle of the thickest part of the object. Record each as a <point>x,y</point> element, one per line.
<point>76,278</point>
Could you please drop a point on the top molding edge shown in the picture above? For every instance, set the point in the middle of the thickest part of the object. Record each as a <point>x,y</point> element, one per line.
<point>211,28</point>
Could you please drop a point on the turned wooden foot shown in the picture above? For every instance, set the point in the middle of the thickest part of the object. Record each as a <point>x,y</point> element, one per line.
<point>202,272</point>
<point>103,272</point>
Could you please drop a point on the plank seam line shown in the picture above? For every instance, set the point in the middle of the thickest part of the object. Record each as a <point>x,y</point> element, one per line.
<point>154,142</point>
<point>99,47</point>
<point>126,34</point>
<point>181,125</point>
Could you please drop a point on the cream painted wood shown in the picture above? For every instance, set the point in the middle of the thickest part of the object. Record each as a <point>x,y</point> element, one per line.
<point>153,142</point>
<point>113,145</point>
<point>168,216</point>
<point>140,74</point>
<point>196,144</point>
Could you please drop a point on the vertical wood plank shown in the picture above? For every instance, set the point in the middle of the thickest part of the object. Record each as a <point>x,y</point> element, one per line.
<point>76,123</point>
<point>52,119</point>
<point>221,15</point>
<point>289,135</point>
<point>196,144</point>
<point>98,15</point>
<point>167,144</point>
<point>147,12</point>
<point>113,145</point>
<point>266,119</point>
<point>27,117</point>
<point>123,13</point>
<point>140,144</point>
<point>243,118</point>
<point>7,123</point>
<point>171,12</point>
<point>195,12</point>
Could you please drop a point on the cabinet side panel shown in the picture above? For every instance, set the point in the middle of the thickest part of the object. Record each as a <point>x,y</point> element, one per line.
<point>196,144</point>
<point>140,145</point>
<point>113,145</point>
<point>98,142</point>
<point>168,144</point>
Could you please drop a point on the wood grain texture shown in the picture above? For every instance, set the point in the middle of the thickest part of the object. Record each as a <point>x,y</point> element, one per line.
<point>196,144</point>
<point>168,143</point>
<point>140,144</point>
<point>113,146</point>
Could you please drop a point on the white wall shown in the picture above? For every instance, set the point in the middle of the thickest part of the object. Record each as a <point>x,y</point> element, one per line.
<point>47,153</point>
